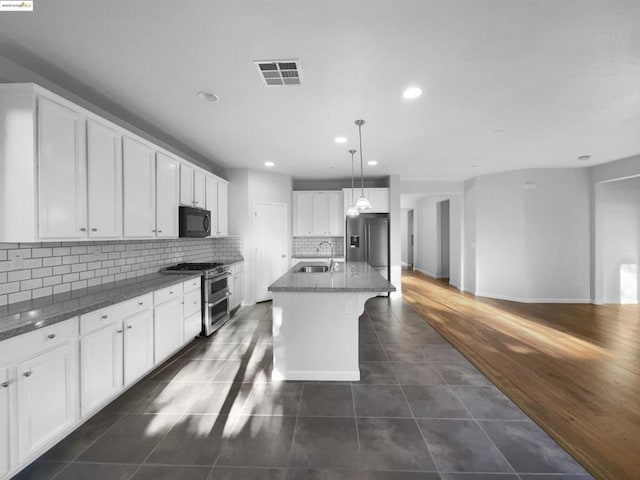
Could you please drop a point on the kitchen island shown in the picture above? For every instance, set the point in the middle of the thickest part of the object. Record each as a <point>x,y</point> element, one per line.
<point>315,320</point>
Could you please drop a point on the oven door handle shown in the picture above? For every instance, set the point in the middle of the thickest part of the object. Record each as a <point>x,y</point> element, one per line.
<point>221,299</point>
<point>218,277</point>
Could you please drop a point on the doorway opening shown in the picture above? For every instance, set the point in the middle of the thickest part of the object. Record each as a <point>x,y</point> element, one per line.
<point>617,241</point>
<point>407,236</point>
<point>444,238</point>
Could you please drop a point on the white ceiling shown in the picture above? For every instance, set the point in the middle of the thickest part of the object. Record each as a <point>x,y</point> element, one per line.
<point>507,84</point>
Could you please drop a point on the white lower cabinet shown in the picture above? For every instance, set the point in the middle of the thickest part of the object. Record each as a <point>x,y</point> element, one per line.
<point>236,285</point>
<point>100,366</point>
<point>4,421</point>
<point>168,328</point>
<point>55,376</point>
<point>47,387</point>
<point>138,345</point>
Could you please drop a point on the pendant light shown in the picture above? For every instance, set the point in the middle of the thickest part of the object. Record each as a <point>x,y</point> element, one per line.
<point>363,204</point>
<point>352,211</point>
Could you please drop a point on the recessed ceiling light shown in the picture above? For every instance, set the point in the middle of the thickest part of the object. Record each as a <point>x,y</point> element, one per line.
<point>584,158</point>
<point>474,166</point>
<point>373,163</point>
<point>208,96</point>
<point>411,93</point>
<point>340,139</point>
<point>269,164</point>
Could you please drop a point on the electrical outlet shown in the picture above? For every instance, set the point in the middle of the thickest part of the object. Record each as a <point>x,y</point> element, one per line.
<point>349,307</point>
<point>15,256</point>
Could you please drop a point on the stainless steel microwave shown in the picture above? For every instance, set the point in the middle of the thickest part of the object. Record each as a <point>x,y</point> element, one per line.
<point>194,222</point>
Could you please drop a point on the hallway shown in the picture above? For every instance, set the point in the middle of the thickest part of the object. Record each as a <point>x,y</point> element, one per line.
<point>574,369</point>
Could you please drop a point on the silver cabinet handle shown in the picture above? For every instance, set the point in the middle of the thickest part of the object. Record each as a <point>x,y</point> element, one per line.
<point>27,373</point>
<point>104,317</point>
<point>94,229</point>
<point>154,230</point>
<point>195,303</point>
<point>83,229</point>
<point>119,331</point>
<point>159,231</point>
<point>283,256</point>
<point>4,384</point>
<point>51,336</point>
<point>129,327</point>
<point>140,304</point>
<point>170,293</point>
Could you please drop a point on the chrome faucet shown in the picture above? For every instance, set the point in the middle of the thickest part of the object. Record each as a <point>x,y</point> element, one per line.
<point>331,262</point>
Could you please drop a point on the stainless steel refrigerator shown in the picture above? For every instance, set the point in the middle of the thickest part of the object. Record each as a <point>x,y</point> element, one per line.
<point>367,240</point>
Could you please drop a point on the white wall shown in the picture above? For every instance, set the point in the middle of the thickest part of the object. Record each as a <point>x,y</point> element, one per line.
<point>395,234</point>
<point>618,204</point>
<point>404,234</point>
<point>426,240</point>
<point>469,235</point>
<point>532,235</point>
<point>246,187</point>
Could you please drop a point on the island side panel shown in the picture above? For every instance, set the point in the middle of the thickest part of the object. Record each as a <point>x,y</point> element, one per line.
<point>315,335</point>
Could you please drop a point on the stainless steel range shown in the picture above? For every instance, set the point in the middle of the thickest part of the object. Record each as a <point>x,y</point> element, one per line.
<point>215,292</point>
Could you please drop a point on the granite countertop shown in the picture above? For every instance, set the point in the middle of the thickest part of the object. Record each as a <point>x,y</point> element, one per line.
<point>319,257</point>
<point>23,317</point>
<point>350,277</point>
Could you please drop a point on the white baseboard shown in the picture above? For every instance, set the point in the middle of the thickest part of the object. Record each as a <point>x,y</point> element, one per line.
<point>317,375</point>
<point>532,300</point>
<point>429,274</point>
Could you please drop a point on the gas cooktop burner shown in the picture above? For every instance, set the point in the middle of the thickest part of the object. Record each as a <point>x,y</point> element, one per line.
<point>194,266</point>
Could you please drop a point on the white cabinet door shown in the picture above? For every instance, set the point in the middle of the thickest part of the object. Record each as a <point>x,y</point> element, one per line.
<point>100,366</point>
<point>223,209</point>
<point>138,345</point>
<point>186,185</point>
<point>320,214</point>
<point>303,214</point>
<point>139,169</point>
<point>198,189</point>
<point>61,172</point>
<point>379,198</point>
<point>192,326</point>
<point>211,202</point>
<point>169,329</point>
<point>4,422</point>
<point>167,191</point>
<point>336,215</point>
<point>104,174</point>
<point>47,397</point>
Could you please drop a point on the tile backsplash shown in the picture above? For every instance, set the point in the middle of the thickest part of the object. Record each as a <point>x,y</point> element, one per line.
<point>306,246</point>
<point>33,270</point>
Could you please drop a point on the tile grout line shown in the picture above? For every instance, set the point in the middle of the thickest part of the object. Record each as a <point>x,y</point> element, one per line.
<point>295,427</point>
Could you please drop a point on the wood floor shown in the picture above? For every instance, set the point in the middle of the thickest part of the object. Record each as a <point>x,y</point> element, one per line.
<point>574,369</point>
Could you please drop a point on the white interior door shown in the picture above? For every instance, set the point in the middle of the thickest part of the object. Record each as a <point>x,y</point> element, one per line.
<point>270,231</point>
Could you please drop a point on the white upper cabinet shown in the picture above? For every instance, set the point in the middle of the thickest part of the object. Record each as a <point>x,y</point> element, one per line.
<point>318,214</point>
<point>192,186</point>
<point>198,189</point>
<point>72,175</point>
<point>167,192</point>
<point>186,184</point>
<point>223,209</point>
<point>61,172</point>
<point>104,180</point>
<point>303,214</point>
<point>139,168</point>
<point>379,198</point>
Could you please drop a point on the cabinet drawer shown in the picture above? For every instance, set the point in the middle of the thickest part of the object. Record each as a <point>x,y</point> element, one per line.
<point>192,303</point>
<point>167,293</point>
<point>99,318</point>
<point>24,346</point>
<point>190,285</point>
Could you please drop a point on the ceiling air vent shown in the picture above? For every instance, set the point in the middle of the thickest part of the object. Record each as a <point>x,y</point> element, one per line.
<point>279,72</point>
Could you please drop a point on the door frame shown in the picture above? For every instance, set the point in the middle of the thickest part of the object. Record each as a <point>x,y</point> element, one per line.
<point>254,249</point>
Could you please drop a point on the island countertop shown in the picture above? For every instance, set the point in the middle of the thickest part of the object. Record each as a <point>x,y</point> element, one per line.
<point>24,317</point>
<point>350,277</point>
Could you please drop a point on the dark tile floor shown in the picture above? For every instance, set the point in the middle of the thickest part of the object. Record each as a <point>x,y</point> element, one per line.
<point>420,411</point>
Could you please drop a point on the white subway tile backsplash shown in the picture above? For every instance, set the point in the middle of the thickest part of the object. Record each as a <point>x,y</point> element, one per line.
<point>57,267</point>
<point>307,246</point>
<point>20,296</point>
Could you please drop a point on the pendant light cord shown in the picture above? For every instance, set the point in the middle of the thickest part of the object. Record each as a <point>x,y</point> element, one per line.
<point>361,165</point>
<point>352,152</point>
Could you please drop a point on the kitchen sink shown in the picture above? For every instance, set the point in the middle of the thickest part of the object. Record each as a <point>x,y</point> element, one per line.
<point>314,269</point>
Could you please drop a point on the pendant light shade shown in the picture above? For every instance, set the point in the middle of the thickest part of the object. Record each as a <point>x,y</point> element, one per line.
<point>363,204</point>
<point>352,211</point>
